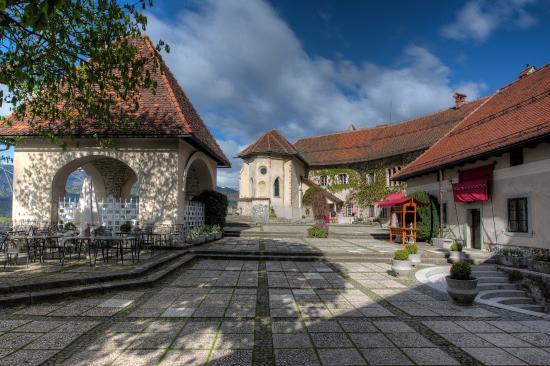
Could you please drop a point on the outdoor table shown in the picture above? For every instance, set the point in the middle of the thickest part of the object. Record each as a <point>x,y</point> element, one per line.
<point>106,242</point>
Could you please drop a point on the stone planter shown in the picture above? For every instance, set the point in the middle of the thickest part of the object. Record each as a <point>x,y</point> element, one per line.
<point>401,268</point>
<point>456,256</point>
<point>463,292</point>
<point>442,243</point>
<point>217,236</point>
<point>540,266</point>
<point>517,262</point>
<point>198,240</point>
<point>415,259</point>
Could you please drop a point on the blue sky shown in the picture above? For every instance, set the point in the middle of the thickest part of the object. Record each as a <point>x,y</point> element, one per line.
<point>308,67</point>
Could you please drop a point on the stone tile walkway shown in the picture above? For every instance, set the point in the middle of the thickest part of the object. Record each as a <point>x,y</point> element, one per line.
<point>237,312</point>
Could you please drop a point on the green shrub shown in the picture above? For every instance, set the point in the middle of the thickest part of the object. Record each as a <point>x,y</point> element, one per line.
<point>69,226</point>
<point>412,248</point>
<point>542,257</point>
<point>5,221</point>
<point>514,276</point>
<point>401,255</point>
<point>427,221</point>
<point>215,229</point>
<point>317,232</point>
<point>215,207</point>
<point>461,271</point>
<point>272,214</point>
<point>456,247</point>
<point>512,252</point>
<point>125,228</point>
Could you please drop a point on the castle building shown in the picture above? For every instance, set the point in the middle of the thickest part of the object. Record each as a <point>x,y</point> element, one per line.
<point>354,168</point>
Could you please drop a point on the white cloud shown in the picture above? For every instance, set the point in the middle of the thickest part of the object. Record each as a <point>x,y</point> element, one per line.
<point>5,109</point>
<point>479,18</point>
<point>247,72</point>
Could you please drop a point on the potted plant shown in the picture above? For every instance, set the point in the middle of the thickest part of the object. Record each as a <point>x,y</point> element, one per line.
<point>401,265</point>
<point>125,228</point>
<point>461,286</point>
<point>414,256</point>
<point>69,226</point>
<point>217,231</point>
<point>197,236</point>
<point>456,254</point>
<point>541,263</point>
<point>513,257</point>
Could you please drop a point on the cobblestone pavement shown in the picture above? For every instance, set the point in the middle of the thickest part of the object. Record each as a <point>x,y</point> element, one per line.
<point>236,312</point>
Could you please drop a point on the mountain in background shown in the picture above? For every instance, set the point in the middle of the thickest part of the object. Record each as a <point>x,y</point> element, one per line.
<point>73,187</point>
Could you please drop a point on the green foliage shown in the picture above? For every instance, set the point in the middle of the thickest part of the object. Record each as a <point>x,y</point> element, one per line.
<point>125,228</point>
<point>5,221</point>
<point>79,52</point>
<point>307,200</point>
<point>401,255</point>
<point>461,271</point>
<point>412,248</point>
<point>317,232</point>
<point>215,229</point>
<point>69,226</point>
<point>514,276</point>
<point>215,207</point>
<point>456,247</point>
<point>272,214</point>
<point>427,222</point>
<point>542,257</point>
<point>362,193</point>
<point>512,252</point>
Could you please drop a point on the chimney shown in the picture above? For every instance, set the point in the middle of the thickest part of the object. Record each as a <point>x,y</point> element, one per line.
<point>528,70</point>
<point>460,99</point>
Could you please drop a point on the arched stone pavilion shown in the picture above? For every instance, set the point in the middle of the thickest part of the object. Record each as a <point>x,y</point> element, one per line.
<point>168,152</point>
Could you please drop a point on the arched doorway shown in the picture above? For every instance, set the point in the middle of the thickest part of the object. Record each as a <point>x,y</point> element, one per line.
<point>109,184</point>
<point>198,178</point>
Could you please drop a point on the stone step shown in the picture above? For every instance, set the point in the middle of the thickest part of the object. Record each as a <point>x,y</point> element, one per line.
<point>492,279</point>
<point>495,286</point>
<point>489,273</point>
<point>531,307</point>
<point>492,294</point>
<point>514,300</point>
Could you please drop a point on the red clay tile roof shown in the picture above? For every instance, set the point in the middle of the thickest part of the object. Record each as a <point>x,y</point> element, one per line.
<point>167,112</point>
<point>383,141</point>
<point>271,142</point>
<point>516,114</point>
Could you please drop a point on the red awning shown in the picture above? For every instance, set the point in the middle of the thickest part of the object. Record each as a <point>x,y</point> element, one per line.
<point>473,185</point>
<point>392,199</point>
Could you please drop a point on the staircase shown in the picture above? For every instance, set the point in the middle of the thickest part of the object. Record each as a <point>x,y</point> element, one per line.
<point>494,286</point>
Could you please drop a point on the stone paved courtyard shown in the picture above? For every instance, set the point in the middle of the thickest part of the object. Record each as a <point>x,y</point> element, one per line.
<point>257,312</point>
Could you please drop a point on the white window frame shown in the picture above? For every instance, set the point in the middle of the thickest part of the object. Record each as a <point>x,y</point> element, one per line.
<point>342,179</point>
<point>323,180</point>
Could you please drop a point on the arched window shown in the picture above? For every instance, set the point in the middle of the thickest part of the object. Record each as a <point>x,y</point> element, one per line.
<point>276,189</point>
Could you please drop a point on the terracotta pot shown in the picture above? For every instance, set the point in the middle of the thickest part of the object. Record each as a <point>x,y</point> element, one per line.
<point>415,258</point>
<point>463,292</point>
<point>401,268</point>
<point>456,256</point>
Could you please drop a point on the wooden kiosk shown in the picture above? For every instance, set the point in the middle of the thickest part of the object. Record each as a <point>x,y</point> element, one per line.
<point>405,209</point>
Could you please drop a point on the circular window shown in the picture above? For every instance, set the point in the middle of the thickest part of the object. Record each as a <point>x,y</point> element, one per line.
<point>263,170</point>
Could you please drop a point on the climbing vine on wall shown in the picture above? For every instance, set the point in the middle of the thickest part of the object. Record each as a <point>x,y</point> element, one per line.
<point>362,192</point>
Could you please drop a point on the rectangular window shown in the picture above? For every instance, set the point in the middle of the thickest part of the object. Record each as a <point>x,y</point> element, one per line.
<point>371,211</point>
<point>370,178</point>
<point>342,179</point>
<point>518,221</point>
<point>323,180</point>
<point>349,210</point>
<point>444,214</point>
<point>516,157</point>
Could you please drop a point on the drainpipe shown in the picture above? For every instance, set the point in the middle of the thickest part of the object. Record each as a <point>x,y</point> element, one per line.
<point>440,173</point>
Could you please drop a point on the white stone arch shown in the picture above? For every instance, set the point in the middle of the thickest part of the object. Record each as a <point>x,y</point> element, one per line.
<point>198,175</point>
<point>70,163</point>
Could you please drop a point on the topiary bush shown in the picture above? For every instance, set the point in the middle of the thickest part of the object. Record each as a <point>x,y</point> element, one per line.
<point>412,248</point>
<point>461,271</point>
<point>215,207</point>
<point>456,247</point>
<point>125,228</point>
<point>317,232</point>
<point>514,276</point>
<point>427,221</point>
<point>401,255</point>
<point>69,226</point>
